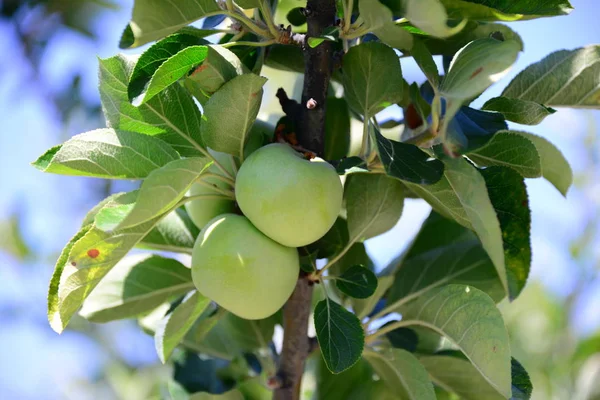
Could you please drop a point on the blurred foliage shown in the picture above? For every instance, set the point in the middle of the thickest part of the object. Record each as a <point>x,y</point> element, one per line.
<point>12,239</point>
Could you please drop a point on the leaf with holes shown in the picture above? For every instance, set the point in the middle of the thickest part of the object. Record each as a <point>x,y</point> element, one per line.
<point>402,373</point>
<point>520,111</point>
<point>566,78</point>
<point>106,153</point>
<point>171,115</point>
<point>164,188</point>
<point>172,329</point>
<point>135,286</point>
<point>340,335</point>
<point>357,281</point>
<point>471,320</point>
<point>230,113</point>
<point>374,204</point>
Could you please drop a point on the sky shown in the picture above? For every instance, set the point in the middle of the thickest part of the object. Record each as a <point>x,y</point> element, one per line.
<point>53,206</point>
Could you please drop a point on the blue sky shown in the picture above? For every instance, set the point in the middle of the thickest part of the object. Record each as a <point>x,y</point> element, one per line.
<point>53,206</point>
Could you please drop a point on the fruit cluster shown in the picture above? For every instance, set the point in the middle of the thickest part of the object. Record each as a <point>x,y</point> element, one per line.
<point>249,264</point>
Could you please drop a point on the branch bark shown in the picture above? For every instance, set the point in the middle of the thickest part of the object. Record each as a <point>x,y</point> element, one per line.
<point>318,62</point>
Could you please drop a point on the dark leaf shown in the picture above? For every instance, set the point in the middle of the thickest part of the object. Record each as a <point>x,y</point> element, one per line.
<point>357,281</point>
<point>403,338</point>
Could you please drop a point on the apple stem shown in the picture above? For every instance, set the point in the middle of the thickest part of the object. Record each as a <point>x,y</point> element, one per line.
<point>318,62</point>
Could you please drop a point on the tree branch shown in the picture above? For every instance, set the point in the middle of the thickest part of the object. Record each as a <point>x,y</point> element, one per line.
<point>318,61</point>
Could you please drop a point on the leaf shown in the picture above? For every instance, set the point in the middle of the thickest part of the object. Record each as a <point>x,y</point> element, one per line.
<point>340,335</point>
<point>175,325</point>
<point>339,386</point>
<point>285,58</point>
<point>152,19</point>
<point>230,113</point>
<point>520,111</point>
<point>555,168</point>
<point>424,60</point>
<point>403,338</point>
<point>478,65</point>
<point>443,253</point>
<point>171,116</point>
<point>521,383</point>
<point>357,281</point>
<point>407,162</point>
<point>337,129</point>
<point>462,196</point>
<point>474,128</point>
<point>362,307</point>
<point>431,17</point>
<point>374,204</point>
<point>332,242</point>
<point>106,153</point>
<point>220,66</point>
<point>135,287</point>
<point>402,373</point>
<point>379,20</point>
<point>510,149</point>
<point>175,233</point>
<point>88,258</point>
<point>233,394</point>
<point>515,222</point>
<point>470,319</point>
<point>163,189</point>
<point>505,10</point>
<point>566,78</point>
<point>372,78</point>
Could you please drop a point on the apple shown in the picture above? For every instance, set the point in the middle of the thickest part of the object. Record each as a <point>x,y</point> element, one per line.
<point>203,210</point>
<point>292,200</point>
<point>241,269</point>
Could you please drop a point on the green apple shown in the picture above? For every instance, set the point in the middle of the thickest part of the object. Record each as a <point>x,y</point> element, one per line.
<point>292,200</point>
<point>241,269</point>
<point>203,210</point>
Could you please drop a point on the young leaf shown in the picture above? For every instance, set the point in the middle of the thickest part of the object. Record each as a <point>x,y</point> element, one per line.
<point>515,222</point>
<point>230,113</point>
<point>85,261</point>
<point>175,233</point>
<point>510,149</point>
<point>374,204</point>
<point>362,307</point>
<point>407,162</point>
<point>106,153</point>
<point>340,335</point>
<point>470,319</point>
<point>478,65</point>
<point>520,111</point>
<point>135,287</point>
<point>462,196</point>
<point>163,189</point>
<point>402,373</point>
<point>220,66</point>
<point>372,78</point>
<point>357,281</point>
<point>337,129</point>
<point>431,17</point>
<point>175,325</point>
<point>379,19</point>
<point>566,78</point>
<point>152,20</point>
<point>171,116</point>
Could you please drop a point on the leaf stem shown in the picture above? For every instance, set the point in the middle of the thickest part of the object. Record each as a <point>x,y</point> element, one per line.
<point>348,15</point>
<point>221,178</point>
<point>240,17</point>
<point>225,193</point>
<point>386,329</point>
<point>335,259</point>
<point>265,9</point>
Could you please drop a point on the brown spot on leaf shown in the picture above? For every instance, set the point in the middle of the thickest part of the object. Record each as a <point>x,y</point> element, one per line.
<point>494,349</point>
<point>73,263</point>
<point>477,72</point>
<point>93,253</point>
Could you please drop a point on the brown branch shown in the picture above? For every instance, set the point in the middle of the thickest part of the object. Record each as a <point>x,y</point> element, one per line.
<point>320,14</point>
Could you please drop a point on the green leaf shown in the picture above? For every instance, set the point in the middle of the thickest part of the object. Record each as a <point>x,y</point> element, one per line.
<point>431,17</point>
<point>88,258</point>
<point>337,129</point>
<point>462,196</point>
<point>340,335</point>
<point>379,20</point>
<point>248,4</point>
<point>362,307</point>
<point>233,394</point>
<point>230,113</point>
<point>339,386</point>
<point>505,10</point>
<point>521,383</point>
<point>152,20</point>
<point>520,111</point>
<point>470,319</point>
<point>374,204</point>
<point>407,162</point>
<point>171,116</point>
<point>175,233</point>
<point>515,222</point>
<point>285,58</point>
<point>403,338</point>
<point>402,373</point>
<point>510,149</point>
<point>135,287</point>
<point>424,60</point>
<point>332,242</point>
<point>176,324</point>
<point>478,65</point>
<point>164,188</point>
<point>220,66</point>
<point>106,153</point>
<point>372,78</point>
<point>357,281</point>
<point>566,78</point>
<point>296,17</point>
